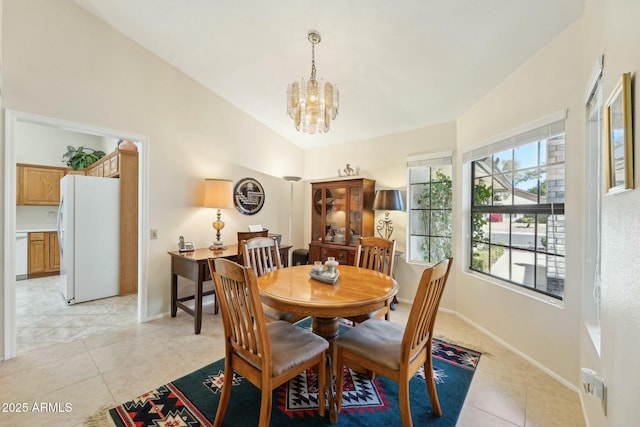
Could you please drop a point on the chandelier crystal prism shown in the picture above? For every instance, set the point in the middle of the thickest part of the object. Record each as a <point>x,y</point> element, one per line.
<point>312,104</point>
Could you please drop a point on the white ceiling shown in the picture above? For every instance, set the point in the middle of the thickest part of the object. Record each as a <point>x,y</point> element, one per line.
<point>399,65</point>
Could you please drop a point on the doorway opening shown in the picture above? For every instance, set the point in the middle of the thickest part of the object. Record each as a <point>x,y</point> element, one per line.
<point>15,123</point>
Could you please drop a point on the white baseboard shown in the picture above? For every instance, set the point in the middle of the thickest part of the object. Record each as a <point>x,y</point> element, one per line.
<point>534,362</point>
<point>156,317</point>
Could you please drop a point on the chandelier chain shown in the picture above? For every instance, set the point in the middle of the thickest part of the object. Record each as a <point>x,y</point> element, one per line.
<point>313,61</point>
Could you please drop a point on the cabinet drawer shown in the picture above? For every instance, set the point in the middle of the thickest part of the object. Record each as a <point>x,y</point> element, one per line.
<point>36,237</point>
<point>340,255</point>
<point>314,254</point>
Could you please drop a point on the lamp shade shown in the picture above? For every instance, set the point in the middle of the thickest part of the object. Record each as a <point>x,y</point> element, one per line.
<point>218,193</point>
<point>388,200</point>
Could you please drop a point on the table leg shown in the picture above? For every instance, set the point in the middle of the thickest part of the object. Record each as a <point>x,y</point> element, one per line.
<point>328,329</point>
<point>198,303</point>
<point>174,294</point>
<point>332,402</point>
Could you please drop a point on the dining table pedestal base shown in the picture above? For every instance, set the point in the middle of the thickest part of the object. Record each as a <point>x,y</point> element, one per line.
<point>326,327</point>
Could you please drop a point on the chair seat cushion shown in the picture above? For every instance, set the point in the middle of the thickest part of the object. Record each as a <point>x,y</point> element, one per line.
<point>376,339</point>
<point>291,345</point>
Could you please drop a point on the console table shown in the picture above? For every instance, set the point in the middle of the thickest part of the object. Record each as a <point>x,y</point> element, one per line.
<point>193,265</point>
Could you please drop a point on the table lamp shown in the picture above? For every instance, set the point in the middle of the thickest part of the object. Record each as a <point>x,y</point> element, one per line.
<point>387,200</point>
<point>218,194</point>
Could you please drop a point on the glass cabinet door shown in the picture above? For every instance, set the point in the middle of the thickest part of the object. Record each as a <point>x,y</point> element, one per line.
<point>355,213</point>
<point>317,213</point>
<point>336,216</point>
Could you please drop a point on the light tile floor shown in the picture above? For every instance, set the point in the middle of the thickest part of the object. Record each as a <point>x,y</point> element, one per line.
<point>116,365</point>
<point>43,318</point>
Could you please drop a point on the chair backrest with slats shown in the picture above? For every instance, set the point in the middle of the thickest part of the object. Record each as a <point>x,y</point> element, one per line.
<point>246,235</point>
<point>376,253</point>
<point>422,317</point>
<point>242,315</point>
<point>262,254</point>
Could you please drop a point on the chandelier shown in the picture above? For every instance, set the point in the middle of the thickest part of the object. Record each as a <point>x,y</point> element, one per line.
<point>310,104</point>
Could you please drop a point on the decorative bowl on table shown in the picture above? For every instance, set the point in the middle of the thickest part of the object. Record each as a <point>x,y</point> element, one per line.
<point>325,276</point>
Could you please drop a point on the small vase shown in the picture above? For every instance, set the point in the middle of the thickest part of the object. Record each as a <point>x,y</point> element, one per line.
<point>331,265</point>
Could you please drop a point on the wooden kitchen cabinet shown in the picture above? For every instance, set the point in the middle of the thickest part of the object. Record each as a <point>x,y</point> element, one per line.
<point>341,213</point>
<point>36,253</point>
<point>38,185</point>
<point>109,165</point>
<point>97,169</point>
<point>44,254</point>
<point>54,253</point>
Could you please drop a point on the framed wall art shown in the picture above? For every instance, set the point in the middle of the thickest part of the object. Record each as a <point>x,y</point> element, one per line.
<point>618,138</point>
<point>248,196</point>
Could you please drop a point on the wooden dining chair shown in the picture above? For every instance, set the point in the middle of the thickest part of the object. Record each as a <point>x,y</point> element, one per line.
<point>267,355</point>
<point>262,254</point>
<point>246,235</point>
<point>396,353</point>
<point>378,254</point>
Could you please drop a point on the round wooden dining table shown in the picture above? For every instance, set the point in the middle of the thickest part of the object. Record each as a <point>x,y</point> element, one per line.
<point>357,291</point>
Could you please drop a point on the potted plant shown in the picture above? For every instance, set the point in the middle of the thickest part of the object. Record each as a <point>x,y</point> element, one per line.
<point>81,157</point>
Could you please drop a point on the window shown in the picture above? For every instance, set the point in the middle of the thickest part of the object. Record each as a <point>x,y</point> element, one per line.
<point>593,196</point>
<point>429,203</point>
<point>517,210</point>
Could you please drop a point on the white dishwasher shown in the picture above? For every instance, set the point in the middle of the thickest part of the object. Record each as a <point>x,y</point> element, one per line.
<point>22,255</point>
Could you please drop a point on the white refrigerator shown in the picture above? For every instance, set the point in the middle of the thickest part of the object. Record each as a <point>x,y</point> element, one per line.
<point>89,237</point>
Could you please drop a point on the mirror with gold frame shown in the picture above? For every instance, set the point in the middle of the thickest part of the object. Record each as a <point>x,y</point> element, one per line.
<point>618,138</point>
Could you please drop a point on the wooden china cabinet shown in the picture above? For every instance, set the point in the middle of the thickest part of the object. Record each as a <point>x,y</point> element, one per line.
<point>341,213</point>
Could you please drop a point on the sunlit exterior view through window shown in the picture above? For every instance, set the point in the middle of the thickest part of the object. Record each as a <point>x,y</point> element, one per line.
<point>517,215</point>
<point>429,197</point>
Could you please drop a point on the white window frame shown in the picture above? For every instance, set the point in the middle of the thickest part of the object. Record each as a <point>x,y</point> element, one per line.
<point>593,198</point>
<point>508,140</point>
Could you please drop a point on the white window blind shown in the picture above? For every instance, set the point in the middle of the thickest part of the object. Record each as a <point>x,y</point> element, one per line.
<point>536,132</point>
<point>437,159</point>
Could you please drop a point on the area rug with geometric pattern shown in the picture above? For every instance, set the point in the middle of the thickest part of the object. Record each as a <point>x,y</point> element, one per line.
<point>193,399</point>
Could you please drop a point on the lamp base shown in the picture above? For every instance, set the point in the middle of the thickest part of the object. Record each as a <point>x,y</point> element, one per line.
<point>385,226</point>
<point>218,245</point>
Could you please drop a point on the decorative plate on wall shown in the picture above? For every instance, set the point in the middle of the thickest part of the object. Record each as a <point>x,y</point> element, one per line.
<point>248,196</point>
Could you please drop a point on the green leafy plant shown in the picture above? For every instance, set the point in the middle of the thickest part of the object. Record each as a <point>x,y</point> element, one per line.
<point>481,196</point>
<point>81,157</point>
<point>437,219</point>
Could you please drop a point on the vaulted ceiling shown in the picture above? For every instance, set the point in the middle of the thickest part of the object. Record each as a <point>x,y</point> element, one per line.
<point>399,65</point>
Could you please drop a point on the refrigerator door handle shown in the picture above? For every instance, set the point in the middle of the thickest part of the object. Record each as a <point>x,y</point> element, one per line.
<point>61,226</point>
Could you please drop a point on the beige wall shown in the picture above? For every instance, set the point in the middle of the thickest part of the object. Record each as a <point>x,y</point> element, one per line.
<point>614,32</point>
<point>59,61</point>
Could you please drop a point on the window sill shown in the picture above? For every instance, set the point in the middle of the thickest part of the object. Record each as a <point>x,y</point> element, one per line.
<point>517,289</point>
